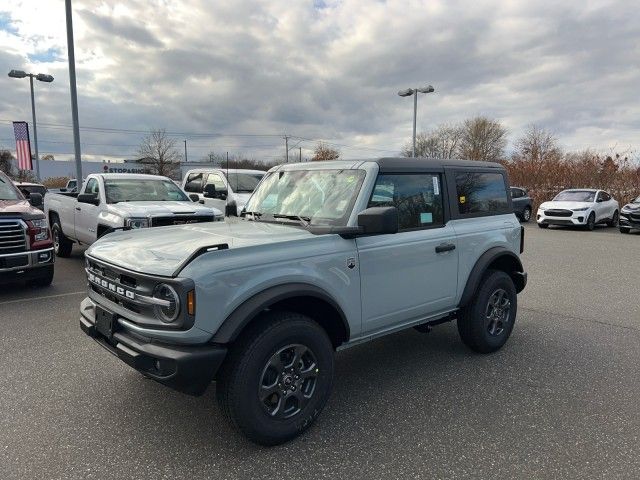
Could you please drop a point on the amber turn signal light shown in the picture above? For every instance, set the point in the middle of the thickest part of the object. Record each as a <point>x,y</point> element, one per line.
<point>191,302</point>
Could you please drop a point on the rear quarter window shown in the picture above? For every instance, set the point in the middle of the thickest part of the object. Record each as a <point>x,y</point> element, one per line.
<point>481,193</point>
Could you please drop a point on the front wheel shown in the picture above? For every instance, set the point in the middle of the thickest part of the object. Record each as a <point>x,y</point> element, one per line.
<point>277,378</point>
<point>614,220</point>
<point>45,278</point>
<point>486,323</point>
<point>624,230</point>
<point>591,222</point>
<point>543,225</point>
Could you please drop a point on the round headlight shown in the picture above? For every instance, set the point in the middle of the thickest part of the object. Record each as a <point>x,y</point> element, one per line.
<point>169,308</point>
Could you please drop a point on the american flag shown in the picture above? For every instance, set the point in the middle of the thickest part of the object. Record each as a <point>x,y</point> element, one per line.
<point>23,147</point>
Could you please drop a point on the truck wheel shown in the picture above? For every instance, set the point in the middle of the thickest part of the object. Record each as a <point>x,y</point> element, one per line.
<point>486,323</point>
<point>45,279</point>
<point>61,244</point>
<point>277,378</point>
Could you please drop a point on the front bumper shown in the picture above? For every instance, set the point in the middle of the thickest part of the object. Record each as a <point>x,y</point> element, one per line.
<point>629,220</point>
<point>576,218</point>
<point>186,368</point>
<point>25,265</point>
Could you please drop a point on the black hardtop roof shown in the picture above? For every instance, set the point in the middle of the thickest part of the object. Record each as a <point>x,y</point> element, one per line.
<point>408,163</point>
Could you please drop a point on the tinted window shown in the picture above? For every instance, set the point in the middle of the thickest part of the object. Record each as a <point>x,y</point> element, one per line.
<point>418,198</point>
<point>480,193</point>
<point>215,179</point>
<point>243,182</point>
<point>194,183</point>
<point>92,186</point>
<point>605,196</point>
<point>516,193</point>
<point>575,196</point>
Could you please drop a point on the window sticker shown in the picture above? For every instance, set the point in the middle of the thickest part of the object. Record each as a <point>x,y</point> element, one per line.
<point>426,218</point>
<point>436,186</point>
<point>463,199</point>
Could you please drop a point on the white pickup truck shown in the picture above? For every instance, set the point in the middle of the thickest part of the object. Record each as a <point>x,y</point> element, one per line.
<point>112,201</point>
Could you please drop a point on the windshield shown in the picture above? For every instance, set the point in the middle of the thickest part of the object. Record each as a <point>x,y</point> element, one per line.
<point>324,197</point>
<point>7,190</point>
<point>29,189</point>
<point>575,196</point>
<point>136,190</point>
<point>243,182</point>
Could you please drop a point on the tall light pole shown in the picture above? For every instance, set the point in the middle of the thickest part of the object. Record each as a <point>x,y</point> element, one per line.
<point>407,93</point>
<point>43,78</point>
<point>74,94</point>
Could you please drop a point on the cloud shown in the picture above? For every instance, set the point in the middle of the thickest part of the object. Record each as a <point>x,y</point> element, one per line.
<point>323,69</point>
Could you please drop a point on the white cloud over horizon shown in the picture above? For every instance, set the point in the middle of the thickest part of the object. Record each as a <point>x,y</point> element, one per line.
<point>322,70</point>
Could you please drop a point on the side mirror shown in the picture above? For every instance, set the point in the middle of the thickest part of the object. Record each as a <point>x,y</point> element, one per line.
<point>378,220</point>
<point>35,199</point>
<point>91,198</point>
<point>209,190</point>
<point>194,197</point>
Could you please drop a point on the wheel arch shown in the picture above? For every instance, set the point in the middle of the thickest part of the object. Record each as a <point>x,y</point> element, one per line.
<point>496,258</point>
<point>295,297</point>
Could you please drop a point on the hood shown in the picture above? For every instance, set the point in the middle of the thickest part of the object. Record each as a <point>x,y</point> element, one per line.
<point>242,198</point>
<point>631,206</point>
<point>160,209</point>
<point>566,205</point>
<point>19,208</point>
<point>164,252</point>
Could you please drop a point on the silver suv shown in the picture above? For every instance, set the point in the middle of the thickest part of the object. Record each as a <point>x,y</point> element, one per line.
<point>325,256</point>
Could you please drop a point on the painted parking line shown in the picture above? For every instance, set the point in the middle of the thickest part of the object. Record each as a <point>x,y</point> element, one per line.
<point>46,297</point>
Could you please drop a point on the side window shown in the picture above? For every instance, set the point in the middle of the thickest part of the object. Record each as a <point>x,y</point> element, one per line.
<point>418,198</point>
<point>605,197</point>
<point>92,186</point>
<point>516,193</point>
<point>215,179</point>
<point>193,183</point>
<point>480,193</point>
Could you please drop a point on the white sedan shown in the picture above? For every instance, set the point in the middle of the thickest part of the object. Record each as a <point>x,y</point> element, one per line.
<point>579,207</point>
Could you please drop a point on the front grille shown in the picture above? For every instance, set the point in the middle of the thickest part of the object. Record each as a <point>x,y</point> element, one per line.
<point>13,237</point>
<point>635,216</point>
<point>180,220</point>
<point>558,213</point>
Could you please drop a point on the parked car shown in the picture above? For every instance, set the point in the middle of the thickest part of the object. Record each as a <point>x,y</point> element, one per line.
<point>26,250</point>
<point>111,201</point>
<point>630,216</point>
<point>70,187</point>
<point>27,188</point>
<point>327,255</point>
<point>522,204</point>
<point>579,207</point>
<point>226,190</point>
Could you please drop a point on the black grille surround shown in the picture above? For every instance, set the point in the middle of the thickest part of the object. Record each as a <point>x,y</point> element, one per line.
<point>13,237</point>
<point>180,220</point>
<point>126,294</point>
<point>558,212</point>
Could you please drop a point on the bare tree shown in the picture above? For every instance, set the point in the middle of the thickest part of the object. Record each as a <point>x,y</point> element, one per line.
<point>159,154</point>
<point>5,161</point>
<point>537,145</point>
<point>442,142</point>
<point>483,139</point>
<point>323,152</point>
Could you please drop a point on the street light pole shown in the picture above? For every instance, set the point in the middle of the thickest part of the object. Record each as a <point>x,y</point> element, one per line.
<point>185,151</point>
<point>73,91</point>
<point>414,91</point>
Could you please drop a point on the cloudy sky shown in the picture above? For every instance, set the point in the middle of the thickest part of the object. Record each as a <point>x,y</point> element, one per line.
<point>238,75</point>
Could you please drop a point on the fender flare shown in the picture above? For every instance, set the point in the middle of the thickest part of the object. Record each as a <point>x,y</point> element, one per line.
<point>482,265</point>
<point>247,311</point>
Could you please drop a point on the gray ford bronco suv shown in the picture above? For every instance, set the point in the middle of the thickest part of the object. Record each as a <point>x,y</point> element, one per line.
<point>325,256</point>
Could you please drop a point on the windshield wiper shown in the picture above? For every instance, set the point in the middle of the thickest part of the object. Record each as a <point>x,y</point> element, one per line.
<point>303,220</point>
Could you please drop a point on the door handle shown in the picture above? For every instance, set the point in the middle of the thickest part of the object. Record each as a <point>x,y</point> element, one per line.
<point>78,209</point>
<point>445,247</point>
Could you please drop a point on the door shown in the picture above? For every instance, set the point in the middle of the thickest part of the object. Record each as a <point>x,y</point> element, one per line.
<point>414,273</point>
<point>86,214</point>
<point>518,200</point>
<point>194,183</point>
<point>220,202</point>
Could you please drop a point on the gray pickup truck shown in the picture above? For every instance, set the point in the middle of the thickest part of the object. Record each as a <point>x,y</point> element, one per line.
<point>325,256</point>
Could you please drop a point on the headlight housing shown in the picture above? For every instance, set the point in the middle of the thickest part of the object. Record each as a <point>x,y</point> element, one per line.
<point>39,229</point>
<point>583,209</point>
<point>135,223</point>
<point>167,307</point>
<point>542,209</point>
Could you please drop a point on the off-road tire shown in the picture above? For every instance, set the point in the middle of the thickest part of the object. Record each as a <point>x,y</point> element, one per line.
<point>61,244</point>
<point>45,279</point>
<point>242,374</point>
<point>472,320</point>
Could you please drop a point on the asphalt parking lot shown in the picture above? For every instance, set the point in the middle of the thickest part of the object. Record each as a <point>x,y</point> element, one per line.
<point>561,400</point>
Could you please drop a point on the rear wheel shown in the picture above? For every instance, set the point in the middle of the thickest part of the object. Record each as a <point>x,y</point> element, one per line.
<point>591,222</point>
<point>486,323</point>
<point>624,230</point>
<point>614,220</point>
<point>277,378</point>
<point>526,214</point>
<point>61,244</point>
